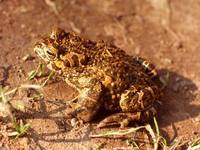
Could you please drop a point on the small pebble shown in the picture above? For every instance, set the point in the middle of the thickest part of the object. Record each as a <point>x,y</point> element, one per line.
<point>137,50</point>
<point>27,57</point>
<point>23,9</point>
<point>197,119</point>
<point>185,87</point>
<point>167,61</point>
<point>175,88</point>
<point>23,26</point>
<point>74,122</point>
<point>17,57</point>
<point>177,79</point>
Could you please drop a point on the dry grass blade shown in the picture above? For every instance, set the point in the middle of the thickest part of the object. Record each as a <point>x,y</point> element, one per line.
<point>52,5</point>
<point>52,73</point>
<point>31,86</point>
<point>173,146</point>
<point>153,135</point>
<point>159,140</point>
<point>4,98</point>
<point>5,107</point>
<point>156,137</point>
<point>156,126</point>
<point>194,145</point>
<point>4,94</point>
<point>74,28</point>
<point>164,80</point>
<point>11,91</point>
<point>133,144</point>
<point>32,74</point>
<point>39,71</point>
<point>117,133</point>
<point>100,147</point>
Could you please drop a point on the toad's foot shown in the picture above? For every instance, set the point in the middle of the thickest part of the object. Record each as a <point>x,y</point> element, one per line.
<point>124,118</point>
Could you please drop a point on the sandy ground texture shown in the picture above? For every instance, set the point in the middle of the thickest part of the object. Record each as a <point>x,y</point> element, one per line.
<point>163,31</point>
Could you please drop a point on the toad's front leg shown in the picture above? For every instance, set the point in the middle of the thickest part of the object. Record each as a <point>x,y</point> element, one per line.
<point>89,99</point>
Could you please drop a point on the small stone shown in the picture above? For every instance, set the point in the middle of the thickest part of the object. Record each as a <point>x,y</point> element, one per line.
<point>74,122</point>
<point>17,57</point>
<point>185,87</point>
<point>167,61</point>
<point>23,9</point>
<point>177,79</point>
<point>27,57</point>
<point>197,119</point>
<point>175,88</point>
<point>113,96</point>
<point>137,50</point>
<point>23,26</point>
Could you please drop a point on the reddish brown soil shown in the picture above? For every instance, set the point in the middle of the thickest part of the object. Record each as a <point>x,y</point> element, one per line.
<point>168,36</point>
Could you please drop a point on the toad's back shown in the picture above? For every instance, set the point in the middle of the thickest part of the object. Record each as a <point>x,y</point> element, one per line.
<point>104,60</point>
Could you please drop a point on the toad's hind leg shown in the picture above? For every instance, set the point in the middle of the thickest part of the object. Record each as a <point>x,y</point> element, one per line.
<point>89,99</point>
<point>138,98</point>
<point>136,104</point>
<point>124,118</point>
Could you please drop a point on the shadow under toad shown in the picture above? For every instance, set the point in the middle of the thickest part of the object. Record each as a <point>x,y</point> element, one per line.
<point>176,101</point>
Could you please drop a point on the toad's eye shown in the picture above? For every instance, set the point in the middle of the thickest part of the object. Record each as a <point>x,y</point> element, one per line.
<point>50,54</point>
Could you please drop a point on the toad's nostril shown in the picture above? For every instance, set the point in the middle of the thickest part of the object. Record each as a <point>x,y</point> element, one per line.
<point>38,44</point>
<point>37,47</point>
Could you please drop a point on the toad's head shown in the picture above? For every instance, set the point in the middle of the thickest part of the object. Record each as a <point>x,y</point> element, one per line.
<point>49,48</point>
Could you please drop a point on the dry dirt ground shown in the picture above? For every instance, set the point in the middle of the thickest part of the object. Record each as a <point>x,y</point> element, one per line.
<point>163,31</point>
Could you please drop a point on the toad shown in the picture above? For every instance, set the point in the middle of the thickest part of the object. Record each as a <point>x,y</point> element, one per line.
<point>104,76</point>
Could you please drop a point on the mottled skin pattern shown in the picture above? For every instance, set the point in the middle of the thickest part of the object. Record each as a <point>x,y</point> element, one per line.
<point>104,75</point>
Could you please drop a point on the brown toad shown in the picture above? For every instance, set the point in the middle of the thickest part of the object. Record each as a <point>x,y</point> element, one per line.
<point>104,75</point>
